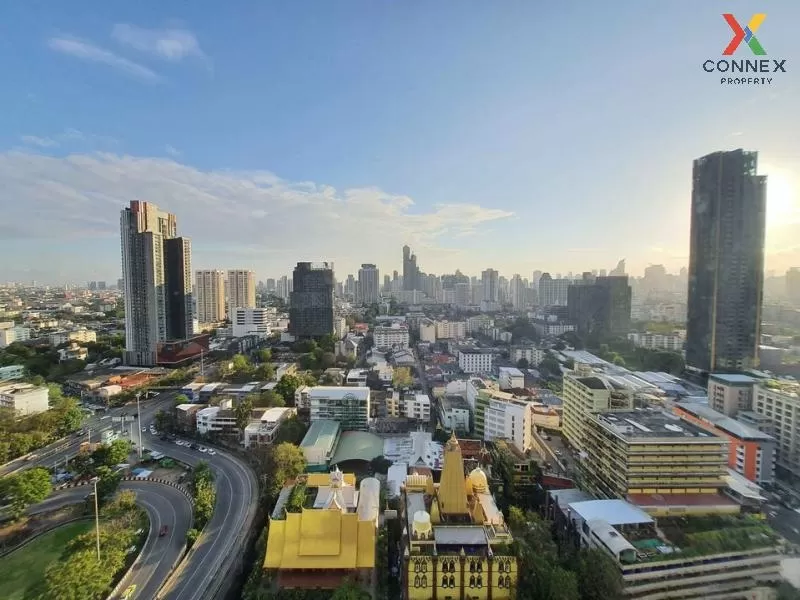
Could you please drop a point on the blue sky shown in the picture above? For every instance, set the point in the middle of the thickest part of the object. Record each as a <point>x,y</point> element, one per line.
<point>509,135</point>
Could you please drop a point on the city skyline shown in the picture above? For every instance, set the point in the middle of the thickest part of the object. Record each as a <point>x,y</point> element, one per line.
<point>131,105</point>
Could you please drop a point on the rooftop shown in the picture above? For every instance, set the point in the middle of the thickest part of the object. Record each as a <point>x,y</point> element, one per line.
<point>614,512</point>
<point>338,393</point>
<point>644,424</point>
<point>357,445</point>
<point>322,434</point>
<point>733,378</point>
<point>452,401</point>
<point>723,422</point>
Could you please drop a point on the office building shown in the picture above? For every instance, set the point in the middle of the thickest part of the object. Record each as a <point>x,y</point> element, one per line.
<point>751,453</point>
<point>726,261</point>
<point>311,304</point>
<point>241,289</point>
<point>730,393</point>
<point>178,288</point>
<point>587,392</point>
<point>252,321</point>
<point>458,545</point>
<point>210,294</point>
<point>504,416</point>
<point>156,309</point>
<point>368,284</point>
<point>553,292</point>
<point>601,306</point>
<point>347,405</point>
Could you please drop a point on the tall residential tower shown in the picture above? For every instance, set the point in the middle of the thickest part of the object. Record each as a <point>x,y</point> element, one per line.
<point>726,262</point>
<point>210,292</point>
<point>241,290</point>
<point>311,303</point>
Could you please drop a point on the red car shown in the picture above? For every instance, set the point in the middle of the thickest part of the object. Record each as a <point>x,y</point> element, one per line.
<point>163,531</point>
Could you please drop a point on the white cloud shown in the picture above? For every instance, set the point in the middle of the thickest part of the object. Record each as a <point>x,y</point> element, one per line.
<point>172,151</point>
<point>169,44</point>
<point>91,53</point>
<point>255,215</point>
<point>41,142</point>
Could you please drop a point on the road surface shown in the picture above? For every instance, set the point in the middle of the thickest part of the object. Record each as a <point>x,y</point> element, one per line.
<point>165,505</point>
<point>224,535</point>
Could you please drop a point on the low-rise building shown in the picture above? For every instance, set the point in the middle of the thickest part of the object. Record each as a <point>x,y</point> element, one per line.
<point>24,398</point>
<point>454,413</point>
<point>730,393</point>
<point>264,431</point>
<point>427,331</point>
<point>780,402</point>
<point>750,452</point>
<point>533,355</point>
<point>356,377</point>
<point>418,407</point>
<point>217,420</point>
<point>252,321</point>
<point>186,416</point>
<point>451,330</point>
<point>391,336</point>
<point>319,444</point>
<point>659,341</point>
<point>475,361</point>
<point>673,558</point>
<point>12,372</point>
<point>511,378</point>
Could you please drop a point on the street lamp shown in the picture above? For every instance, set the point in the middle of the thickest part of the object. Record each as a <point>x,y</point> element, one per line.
<point>96,516</point>
<point>139,424</point>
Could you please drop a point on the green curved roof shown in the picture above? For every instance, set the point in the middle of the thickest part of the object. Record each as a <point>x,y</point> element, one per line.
<point>357,445</point>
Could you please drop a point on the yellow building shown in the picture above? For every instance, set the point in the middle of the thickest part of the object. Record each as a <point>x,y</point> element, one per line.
<point>323,531</point>
<point>456,544</point>
<point>661,463</point>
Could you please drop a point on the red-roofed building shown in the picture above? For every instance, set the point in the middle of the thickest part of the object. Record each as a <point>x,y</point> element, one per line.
<point>177,354</point>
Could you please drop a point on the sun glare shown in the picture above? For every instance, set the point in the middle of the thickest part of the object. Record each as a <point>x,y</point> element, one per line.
<point>783,206</point>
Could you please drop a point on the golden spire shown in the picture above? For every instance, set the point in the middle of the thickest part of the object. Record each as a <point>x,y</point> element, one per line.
<point>452,492</point>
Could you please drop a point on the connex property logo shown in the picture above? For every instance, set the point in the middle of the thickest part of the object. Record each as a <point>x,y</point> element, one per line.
<point>746,71</point>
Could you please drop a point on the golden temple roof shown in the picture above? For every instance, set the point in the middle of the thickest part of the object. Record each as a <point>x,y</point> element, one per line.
<point>452,494</point>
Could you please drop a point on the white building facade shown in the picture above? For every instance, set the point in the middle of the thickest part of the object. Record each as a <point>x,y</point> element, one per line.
<point>475,361</point>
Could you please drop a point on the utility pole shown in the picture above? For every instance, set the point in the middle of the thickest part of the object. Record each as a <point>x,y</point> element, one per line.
<point>96,518</point>
<point>139,425</point>
<point>201,363</point>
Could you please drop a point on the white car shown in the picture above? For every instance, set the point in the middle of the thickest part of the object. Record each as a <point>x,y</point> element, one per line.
<point>180,442</point>
<point>144,429</point>
<point>203,449</point>
<point>211,451</point>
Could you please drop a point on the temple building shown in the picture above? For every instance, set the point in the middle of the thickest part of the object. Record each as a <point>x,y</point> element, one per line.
<point>322,531</point>
<point>456,543</point>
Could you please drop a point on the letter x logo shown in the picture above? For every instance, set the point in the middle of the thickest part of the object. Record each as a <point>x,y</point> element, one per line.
<point>746,34</point>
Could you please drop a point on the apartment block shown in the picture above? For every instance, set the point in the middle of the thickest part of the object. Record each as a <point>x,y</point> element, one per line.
<point>427,330</point>
<point>251,321</point>
<point>657,461</point>
<point>751,453</point>
<point>501,415</point>
<point>241,289</point>
<point>418,407</point>
<point>451,330</point>
<point>349,406</point>
<point>658,341</point>
<point>780,402</point>
<point>533,355</point>
<point>12,372</point>
<point>264,431</point>
<point>511,378</point>
<point>210,294</point>
<point>729,394</point>
<point>454,413</point>
<point>585,393</point>
<point>391,336</point>
<point>475,361</point>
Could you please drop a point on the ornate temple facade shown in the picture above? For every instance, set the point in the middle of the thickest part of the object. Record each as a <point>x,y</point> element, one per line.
<point>323,531</point>
<point>456,543</point>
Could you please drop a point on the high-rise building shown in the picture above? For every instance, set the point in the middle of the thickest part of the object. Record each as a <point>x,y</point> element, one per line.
<point>144,229</point>
<point>793,285</point>
<point>518,292</point>
<point>410,270</point>
<point>726,261</point>
<point>553,292</point>
<point>489,281</point>
<point>178,288</point>
<point>601,306</point>
<point>210,293</point>
<point>368,284</point>
<point>311,305</point>
<point>241,289</point>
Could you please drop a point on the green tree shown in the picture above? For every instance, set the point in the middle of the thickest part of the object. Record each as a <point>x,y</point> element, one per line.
<point>287,386</point>
<point>350,591</point>
<point>265,355</point>
<point>522,363</point>
<point>599,578</point>
<point>293,430</point>
<point>550,366</point>
<point>285,461</point>
<point>269,399</point>
<point>243,412</point>
<point>402,377</point>
<point>181,399</point>
<point>265,372</point>
<point>107,483</point>
<point>25,488</point>
<point>112,454</point>
<point>380,464</point>
<point>327,342</point>
<point>203,493</point>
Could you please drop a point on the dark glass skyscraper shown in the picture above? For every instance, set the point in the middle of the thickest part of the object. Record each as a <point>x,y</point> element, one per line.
<point>726,262</point>
<point>311,300</point>
<point>410,271</point>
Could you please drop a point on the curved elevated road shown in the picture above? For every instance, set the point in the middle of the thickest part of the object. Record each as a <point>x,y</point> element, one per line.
<point>165,505</point>
<point>223,536</point>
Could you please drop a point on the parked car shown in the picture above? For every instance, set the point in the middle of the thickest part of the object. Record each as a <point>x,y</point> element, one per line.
<point>211,451</point>
<point>163,531</point>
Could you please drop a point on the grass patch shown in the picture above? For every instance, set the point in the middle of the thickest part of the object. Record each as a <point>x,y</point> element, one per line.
<point>24,568</point>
